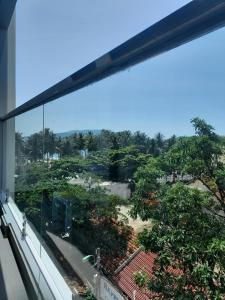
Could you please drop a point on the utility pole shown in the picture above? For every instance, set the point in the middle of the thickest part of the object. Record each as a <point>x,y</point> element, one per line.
<point>97,275</point>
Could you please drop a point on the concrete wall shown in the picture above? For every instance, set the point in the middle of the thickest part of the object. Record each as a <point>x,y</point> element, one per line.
<point>7,103</point>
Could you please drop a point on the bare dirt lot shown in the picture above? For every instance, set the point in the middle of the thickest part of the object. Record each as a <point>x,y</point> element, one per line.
<point>138,225</point>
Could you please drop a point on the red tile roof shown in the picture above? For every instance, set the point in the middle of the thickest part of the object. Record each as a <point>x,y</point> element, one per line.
<point>124,278</point>
<point>112,260</point>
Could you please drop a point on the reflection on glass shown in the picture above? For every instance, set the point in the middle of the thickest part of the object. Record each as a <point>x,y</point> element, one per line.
<point>29,167</point>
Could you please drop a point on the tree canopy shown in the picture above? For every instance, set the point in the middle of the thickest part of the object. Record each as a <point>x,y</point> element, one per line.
<point>188,233</point>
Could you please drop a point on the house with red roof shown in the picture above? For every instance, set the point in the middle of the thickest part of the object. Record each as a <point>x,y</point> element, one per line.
<point>124,275</point>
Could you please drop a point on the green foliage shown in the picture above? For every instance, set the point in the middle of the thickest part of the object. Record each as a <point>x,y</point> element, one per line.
<point>88,295</point>
<point>36,199</point>
<point>90,204</point>
<point>66,147</point>
<point>188,232</point>
<point>141,278</point>
<point>147,185</point>
<point>190,239</point>
<point>67,167</point>
<point>49,142</point>
<point>34,146</point>
<point>219,177</point>
<point>91,143</point>
<point>125,161</point>
<point>196,155</point>
<point>203,129</point>
<point>30,174</point>
<point>113,155</point>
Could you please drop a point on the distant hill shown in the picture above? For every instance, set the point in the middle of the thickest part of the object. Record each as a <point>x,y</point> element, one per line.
<point>72,132</point>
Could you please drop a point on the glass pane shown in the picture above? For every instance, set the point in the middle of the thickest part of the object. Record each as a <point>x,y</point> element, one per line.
<point>97,138</point>
<point>24,169</point>
<point>78,38</point>
<point>29,167</point>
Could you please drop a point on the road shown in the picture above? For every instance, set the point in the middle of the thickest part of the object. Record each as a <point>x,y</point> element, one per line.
<point>74,256</point>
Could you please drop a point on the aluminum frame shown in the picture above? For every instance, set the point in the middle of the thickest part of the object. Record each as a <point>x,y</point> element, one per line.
<point>193,20</point>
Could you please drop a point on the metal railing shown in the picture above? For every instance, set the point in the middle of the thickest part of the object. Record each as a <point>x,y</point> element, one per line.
<point>193,20</point>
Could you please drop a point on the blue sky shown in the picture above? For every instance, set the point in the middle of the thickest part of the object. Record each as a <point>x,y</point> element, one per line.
<point>161,94</point>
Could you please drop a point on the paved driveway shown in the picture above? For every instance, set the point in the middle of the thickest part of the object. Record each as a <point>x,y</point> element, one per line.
<point>74,256</point>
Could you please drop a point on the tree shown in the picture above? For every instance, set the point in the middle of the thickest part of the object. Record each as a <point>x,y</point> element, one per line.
<point>91,203</point>
<point>67,148</point>
<point>114,157</point>
<point>34,146</point>
<point>80,141</point>
<point>91,144</point>
<point>49,142</point>
<point>196,155</point>
<point>185,157</point>
<point>146,185</point>
<point>199,156</point>
<point>19,144</point>
<point>170,142</point>
<point>34,197</point>
<point>129,159</point>
<point>75,142</point>
<point>19,152</point>
<point>124,138</point>
<point>139,138</point>
<point>156,145</point>
<point>152,148</point>
<point>33,172</point>
<point>190,243</point>
<point>188,233</point>
<point>204,129</point>
<point>220,181</point>
<point>105,139</point>
<point>159,138</point>
<point>67,167</point>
